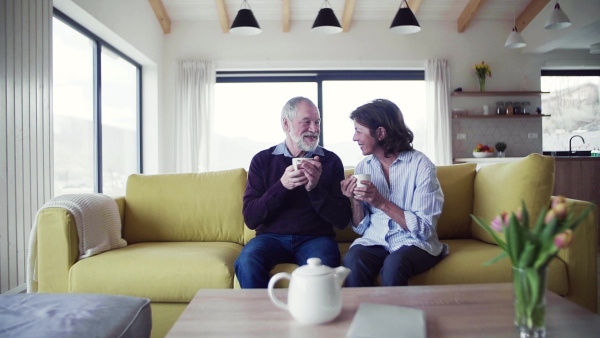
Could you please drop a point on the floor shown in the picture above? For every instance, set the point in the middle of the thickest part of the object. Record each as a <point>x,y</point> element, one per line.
<point>598,263</point>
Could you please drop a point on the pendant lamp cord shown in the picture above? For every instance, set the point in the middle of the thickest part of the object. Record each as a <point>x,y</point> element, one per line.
<point>326,4</point>
<point>514,17</point>
<point>245,5</point>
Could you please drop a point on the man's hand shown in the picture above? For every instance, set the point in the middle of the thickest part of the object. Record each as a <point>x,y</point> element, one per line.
<point>312,171</point>
<point>293,178</point>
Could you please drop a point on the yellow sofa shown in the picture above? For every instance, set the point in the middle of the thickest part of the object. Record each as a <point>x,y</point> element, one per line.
<point>184,231</point>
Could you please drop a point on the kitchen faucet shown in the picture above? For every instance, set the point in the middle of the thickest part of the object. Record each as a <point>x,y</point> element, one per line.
<point>570,152</point>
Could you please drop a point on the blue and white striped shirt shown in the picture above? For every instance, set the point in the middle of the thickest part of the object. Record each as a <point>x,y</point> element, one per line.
<point>414,188</point>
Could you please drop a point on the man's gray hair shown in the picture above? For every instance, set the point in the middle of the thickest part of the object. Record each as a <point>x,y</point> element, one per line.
<point>290,109</point>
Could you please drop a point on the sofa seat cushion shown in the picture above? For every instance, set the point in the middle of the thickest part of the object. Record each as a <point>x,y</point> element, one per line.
<point>465,265</point>
<point>163,272</point>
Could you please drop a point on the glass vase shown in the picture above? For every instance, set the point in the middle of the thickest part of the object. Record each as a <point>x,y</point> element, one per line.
<point>482,84</point>
<point>500,154</point>
<point>530,301</point>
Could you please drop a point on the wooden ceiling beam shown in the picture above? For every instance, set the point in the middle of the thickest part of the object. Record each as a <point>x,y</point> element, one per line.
<point>471,9</point>
<point>161,15</point>
<point>534,7</point>
<point>414,5</point>
<point>285,15</point>
<point>347,15</point>
<point>222,13</point>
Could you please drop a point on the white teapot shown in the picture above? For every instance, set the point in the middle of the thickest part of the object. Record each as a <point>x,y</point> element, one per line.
<point>314,294</point>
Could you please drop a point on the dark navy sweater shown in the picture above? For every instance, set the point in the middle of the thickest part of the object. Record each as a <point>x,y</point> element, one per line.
<point>271,208</point>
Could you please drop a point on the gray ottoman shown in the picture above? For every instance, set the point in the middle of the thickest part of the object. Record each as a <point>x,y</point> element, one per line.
<point>74,315</point>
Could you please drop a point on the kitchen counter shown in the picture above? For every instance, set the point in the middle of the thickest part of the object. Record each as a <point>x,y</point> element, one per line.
<point>486,159</point>
<point>483,161</point>
<point>578,177</point>
<point>579,158</point>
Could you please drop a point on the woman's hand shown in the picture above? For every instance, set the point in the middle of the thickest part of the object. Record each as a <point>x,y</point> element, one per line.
<point>369,194</point>
<point>348,186</point>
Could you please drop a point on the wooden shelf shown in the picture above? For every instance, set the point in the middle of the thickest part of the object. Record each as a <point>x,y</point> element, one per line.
<point>502,93</point>
<point>496,116</point>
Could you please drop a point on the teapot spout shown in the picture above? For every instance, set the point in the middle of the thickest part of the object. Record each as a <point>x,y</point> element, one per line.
<point>341,273</point>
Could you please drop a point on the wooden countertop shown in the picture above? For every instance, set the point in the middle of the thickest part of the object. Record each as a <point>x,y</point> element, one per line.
<point>579,158</point>
<point>486,160</point>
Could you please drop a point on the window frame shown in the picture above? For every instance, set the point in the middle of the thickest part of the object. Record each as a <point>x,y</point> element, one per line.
<point>319,76</point>
<point>98,44</point>
<point>566,73</point>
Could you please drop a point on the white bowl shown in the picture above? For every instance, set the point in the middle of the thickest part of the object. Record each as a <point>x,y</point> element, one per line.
<point>482,154</point>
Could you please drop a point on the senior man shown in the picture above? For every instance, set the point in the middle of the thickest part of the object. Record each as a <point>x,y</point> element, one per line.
<point>292,211</point>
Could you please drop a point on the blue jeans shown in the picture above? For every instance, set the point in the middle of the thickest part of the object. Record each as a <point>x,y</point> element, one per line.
<point>263,252</point>
<point>395,268</point>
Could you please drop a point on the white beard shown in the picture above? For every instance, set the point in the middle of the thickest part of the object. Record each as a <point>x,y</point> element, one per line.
<point>299,141</point>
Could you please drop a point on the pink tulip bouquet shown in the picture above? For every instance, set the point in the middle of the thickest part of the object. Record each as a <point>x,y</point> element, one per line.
<point>530,251</point>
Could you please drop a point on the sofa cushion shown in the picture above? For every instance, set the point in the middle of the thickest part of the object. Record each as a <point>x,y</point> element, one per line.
<point>457,184</point>
<point>465,265</point>
<point>43,315</point>
<point>163,272</point>
<point>185,207</point>
<point>501,187</point>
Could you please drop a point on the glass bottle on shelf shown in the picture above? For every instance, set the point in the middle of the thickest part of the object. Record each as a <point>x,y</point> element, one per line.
<point>509,108</point>
<point>500,110</point>
<point>526,108</point>
<point>517,108</point>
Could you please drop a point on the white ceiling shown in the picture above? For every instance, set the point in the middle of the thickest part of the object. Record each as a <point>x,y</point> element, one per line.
<point>372,10</point>
<point>363,10</point>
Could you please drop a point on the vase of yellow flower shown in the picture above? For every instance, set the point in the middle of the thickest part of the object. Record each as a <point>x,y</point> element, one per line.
<point>483,70</point>
<point>530,251</point>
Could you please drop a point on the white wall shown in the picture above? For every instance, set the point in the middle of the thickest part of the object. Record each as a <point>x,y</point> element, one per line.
<point>366,45</point>
<point>131,25</point>
<point>25,130</point>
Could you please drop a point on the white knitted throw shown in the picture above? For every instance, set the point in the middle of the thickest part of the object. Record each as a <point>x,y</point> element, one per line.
<point>98,228</point>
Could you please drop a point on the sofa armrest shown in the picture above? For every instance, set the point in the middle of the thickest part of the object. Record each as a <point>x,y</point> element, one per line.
<point>58,246</point>
<point>580,258</point>
<point>57,249</point>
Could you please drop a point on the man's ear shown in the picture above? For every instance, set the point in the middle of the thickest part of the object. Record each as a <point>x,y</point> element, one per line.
<point>286,125</point>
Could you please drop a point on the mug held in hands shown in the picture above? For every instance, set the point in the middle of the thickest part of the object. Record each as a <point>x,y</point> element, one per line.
<point>362,177</point>
<point>297,160</point>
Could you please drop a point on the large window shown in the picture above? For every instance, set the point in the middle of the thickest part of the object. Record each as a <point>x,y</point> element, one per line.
<point>574,106</point>
<point>96,112</point>
<point>248,109</point>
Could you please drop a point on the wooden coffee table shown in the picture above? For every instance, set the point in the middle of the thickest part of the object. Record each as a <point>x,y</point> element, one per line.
<point>477,310</point>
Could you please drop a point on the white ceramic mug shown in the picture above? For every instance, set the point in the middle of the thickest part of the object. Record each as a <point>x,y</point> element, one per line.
<point>298,160</point>
<point>362,177</point>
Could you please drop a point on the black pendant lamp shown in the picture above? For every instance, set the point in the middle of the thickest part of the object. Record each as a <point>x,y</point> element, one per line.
<point>326,22</point>
<point>405,21</point>
<point>245,23</point>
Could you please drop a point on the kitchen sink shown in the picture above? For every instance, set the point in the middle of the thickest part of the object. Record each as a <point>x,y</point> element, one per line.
<point>566,153</point>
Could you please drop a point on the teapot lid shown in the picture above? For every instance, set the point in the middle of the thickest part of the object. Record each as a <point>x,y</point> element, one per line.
<point>312,268</point>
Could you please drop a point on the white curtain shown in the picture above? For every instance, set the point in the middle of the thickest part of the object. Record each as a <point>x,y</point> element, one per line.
<point>193,115</point>
<point>439,131</point>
